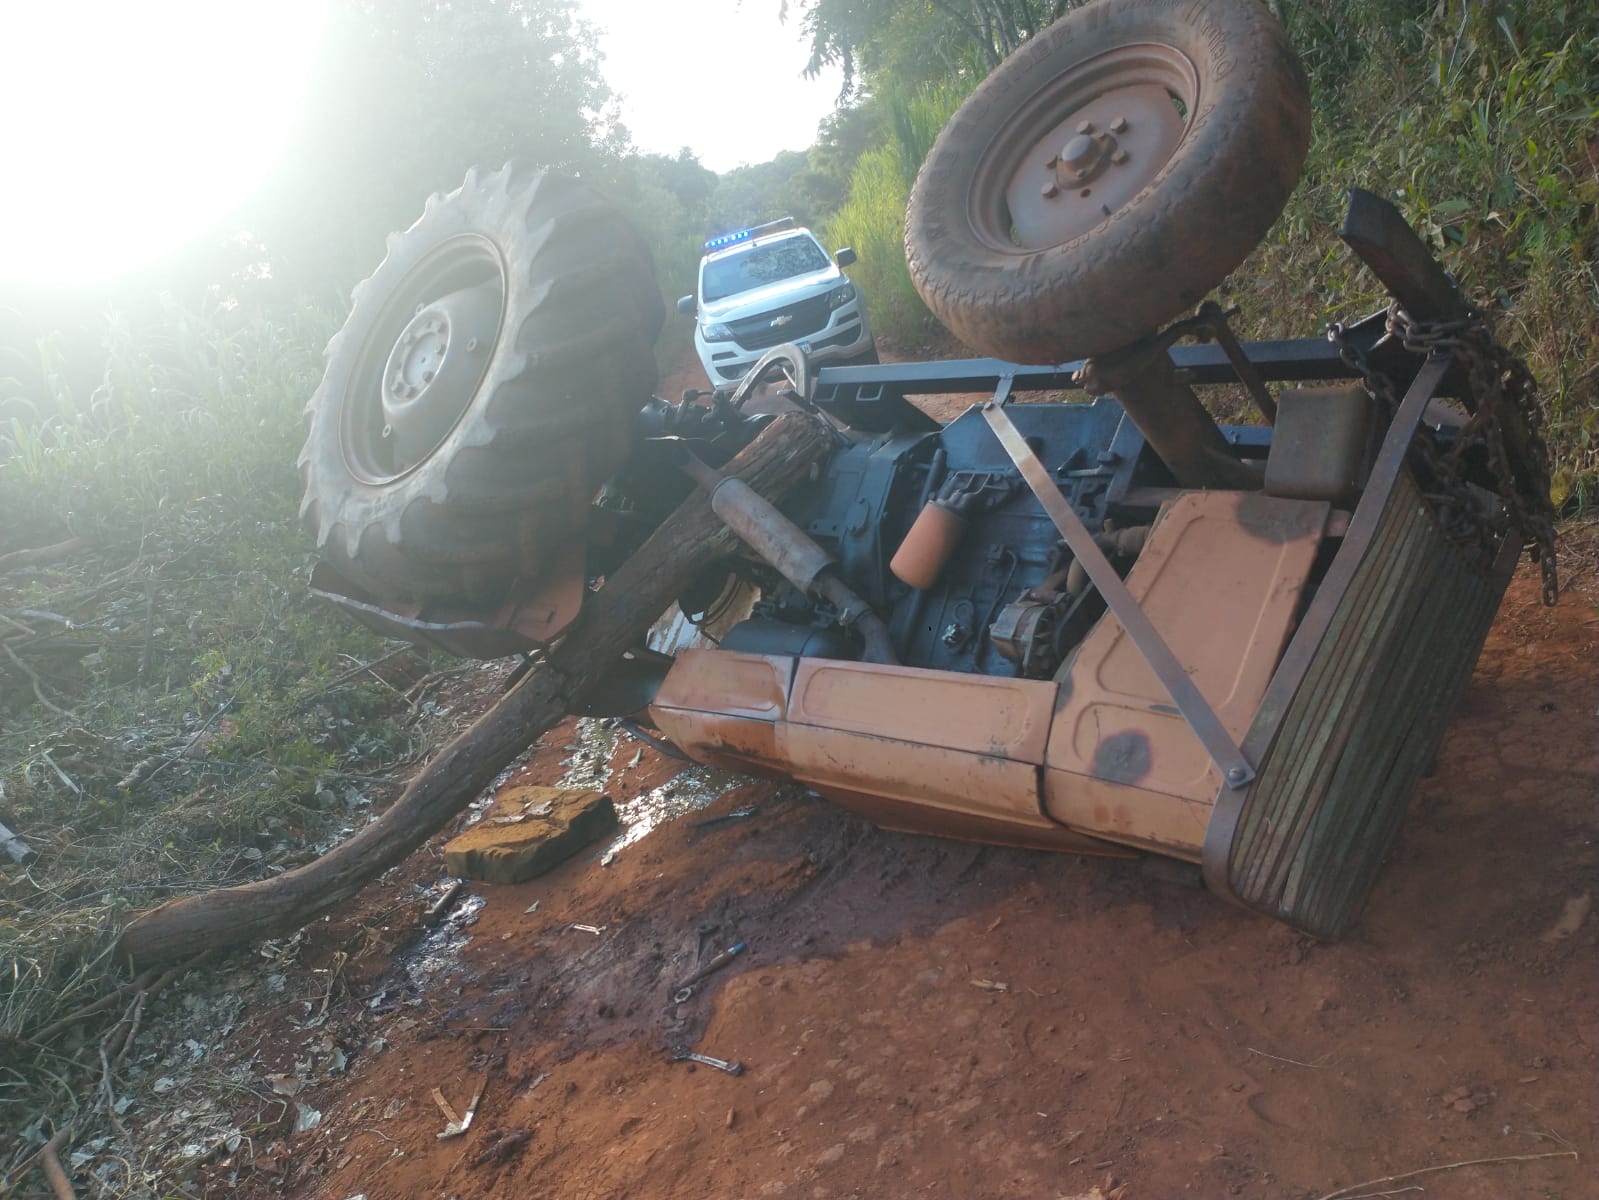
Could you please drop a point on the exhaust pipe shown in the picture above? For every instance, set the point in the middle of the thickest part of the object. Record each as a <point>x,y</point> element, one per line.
<point>785,547</point>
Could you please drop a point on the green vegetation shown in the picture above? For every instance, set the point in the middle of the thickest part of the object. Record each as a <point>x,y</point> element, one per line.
<point>872,218</point>
<point>1481,121</point>
<point>177,713</point>
<point>1479,118</point>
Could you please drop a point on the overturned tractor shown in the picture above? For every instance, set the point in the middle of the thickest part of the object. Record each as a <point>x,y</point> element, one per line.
<point>1104,624</point>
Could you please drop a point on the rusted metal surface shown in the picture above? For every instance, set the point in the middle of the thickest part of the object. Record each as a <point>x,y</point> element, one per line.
<point>911,816</point>
<point>532,615</point>
<point>1156,651</point>
<point>1215,317</point>
<point>1359,703</point>
<point>956,744</point>
<point>1167,412</point>
<point>786,548</point>
<point>930,751</point>
<point>1320,444</point>
<point>1220,578</point>
<point>1375,230</point>
<point>974,714</point>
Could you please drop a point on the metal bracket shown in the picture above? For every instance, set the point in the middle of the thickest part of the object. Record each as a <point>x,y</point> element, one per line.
<point>1196,710</point>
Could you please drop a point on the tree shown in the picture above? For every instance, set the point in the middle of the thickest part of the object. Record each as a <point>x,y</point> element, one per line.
<point>407,95</point>
<point>866,37</point>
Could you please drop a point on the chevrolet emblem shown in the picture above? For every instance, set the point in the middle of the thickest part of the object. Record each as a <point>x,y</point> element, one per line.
<point>779,322</point>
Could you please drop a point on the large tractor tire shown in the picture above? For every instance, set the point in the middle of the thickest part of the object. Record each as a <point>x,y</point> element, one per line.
<point>485,385</point>
<point>1107,176</point>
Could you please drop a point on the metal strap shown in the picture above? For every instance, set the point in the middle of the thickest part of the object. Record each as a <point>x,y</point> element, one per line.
<point>1196,710</point>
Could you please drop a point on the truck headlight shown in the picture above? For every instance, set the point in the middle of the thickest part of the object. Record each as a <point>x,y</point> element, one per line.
<point>841,295</point>
<point>716,333</point>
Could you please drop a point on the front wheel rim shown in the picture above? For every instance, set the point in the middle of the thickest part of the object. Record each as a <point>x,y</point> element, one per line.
<point>423,361</point>
<point>1082,148</point>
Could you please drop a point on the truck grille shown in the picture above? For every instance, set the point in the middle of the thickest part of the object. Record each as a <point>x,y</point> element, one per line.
<point>804,319</point>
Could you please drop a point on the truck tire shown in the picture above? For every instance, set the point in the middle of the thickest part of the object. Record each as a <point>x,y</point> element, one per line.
<point>1107,176</point>
<point>485,385</point>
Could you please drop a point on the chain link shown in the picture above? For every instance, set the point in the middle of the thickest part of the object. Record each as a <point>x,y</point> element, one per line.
<point>1504,414</point>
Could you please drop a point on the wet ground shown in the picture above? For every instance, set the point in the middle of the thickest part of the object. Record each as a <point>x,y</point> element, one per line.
<point>928,1018</point>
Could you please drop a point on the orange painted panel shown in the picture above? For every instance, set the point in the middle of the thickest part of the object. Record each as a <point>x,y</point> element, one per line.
<point>1131,816</point>
<point>732,743</point>
<point>912,816</point>
<point>743,685</point>
<point>1221,578</point>
<point>956,781</point>
<point>979,714</point>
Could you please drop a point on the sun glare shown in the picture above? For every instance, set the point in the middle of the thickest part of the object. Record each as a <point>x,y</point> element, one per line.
<point>132,127</point>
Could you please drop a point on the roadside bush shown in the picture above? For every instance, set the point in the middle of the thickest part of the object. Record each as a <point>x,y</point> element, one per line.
<point>872,219</point>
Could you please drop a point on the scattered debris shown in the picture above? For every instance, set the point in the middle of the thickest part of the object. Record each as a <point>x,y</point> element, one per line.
<point>596,930</point>
<point>18,850</point>
<point>440,905</point>
<point>306,1118</point>
<point>721,1064</point>
<point>500,1147</point>
<point>988,985</point>
<point>531,908</point>
<point>738,814</point>
<point>1572,916</point>
<point>1350,1192</point>
<point>685,990</point>
<point>458,1124</point>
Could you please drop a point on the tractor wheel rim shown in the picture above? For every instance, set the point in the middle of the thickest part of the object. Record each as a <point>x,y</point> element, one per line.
<point>424,360</point>
<point>1083,147</point>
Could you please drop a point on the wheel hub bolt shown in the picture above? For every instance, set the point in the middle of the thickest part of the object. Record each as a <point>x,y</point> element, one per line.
<point>1086,127</point>
<point>1078,152</point>
<point>1051,190</point>
<point>1119,125</point>
<point>1119,157</point>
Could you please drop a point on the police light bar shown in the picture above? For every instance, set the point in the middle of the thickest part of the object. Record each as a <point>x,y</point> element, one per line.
<point>744,235</point>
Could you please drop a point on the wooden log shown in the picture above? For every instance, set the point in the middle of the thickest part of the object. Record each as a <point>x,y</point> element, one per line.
<point>614,619</point>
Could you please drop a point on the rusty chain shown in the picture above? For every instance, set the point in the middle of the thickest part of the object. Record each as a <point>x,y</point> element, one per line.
<point>1502,392</point>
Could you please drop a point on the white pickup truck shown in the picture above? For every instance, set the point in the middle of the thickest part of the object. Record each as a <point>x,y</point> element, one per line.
<point>770,284</point>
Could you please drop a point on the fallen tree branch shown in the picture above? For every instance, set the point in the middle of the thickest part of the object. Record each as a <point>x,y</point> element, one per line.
<point>39,555</point>
<point>1347,1193</point>
<point>613,620</point>
<point>38,689</point>
<point>53,1170</point>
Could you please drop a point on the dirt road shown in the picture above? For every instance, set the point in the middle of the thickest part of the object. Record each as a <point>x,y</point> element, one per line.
<point>927,1018</point>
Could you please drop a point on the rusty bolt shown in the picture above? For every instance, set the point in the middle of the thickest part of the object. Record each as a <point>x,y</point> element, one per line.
<point>1119,125</point>
<point>1051,190</point>
<point>1051,161</point>
<point>1086,192</point>
<point>1119,157</point>
<point>1086,127</point>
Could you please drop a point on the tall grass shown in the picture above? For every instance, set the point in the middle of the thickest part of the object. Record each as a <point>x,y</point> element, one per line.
<point>1481,122</point>
<point>1479,118</point>
<point>175,711</point>
<point>872,219</point>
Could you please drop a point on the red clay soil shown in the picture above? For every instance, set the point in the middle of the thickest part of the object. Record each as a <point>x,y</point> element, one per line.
<point>929,1018</point>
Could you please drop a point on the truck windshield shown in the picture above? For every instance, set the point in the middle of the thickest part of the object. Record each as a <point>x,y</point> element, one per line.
<point>761,265</point>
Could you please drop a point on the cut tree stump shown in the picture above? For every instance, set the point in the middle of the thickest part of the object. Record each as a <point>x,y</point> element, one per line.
<point>614,620</point>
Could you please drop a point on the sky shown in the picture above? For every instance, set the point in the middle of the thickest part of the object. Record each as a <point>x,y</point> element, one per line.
<point>719,76</point>
<point>102,130</point>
